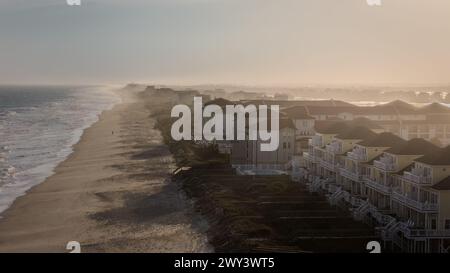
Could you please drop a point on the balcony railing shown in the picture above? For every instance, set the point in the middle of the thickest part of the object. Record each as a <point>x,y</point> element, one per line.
<point>310,157</point>
<point>333,148</point>
<point>421,206</point>
<point>316,141</point>
<point>384,165</point>
<point>426,233</point>
<point>417,179</point>
<point>328,165</point>
<point>377,186</point>
<point>351,175</point>
<point>357,156</point>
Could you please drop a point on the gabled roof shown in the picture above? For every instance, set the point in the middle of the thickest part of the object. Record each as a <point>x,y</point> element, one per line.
<point>359,132</point>
<point>441,158</point>
<point>383,140</point>
<point>435,108</point>
<point>399,104</point>
<point>220,101</point>
<point>330,110</point>
<point>416,146</point>
<point>286,123</point>
<point>308,103</point>
<point>298,112</point>
<point>327,103</point>
<point>333,128</point>
<point>444,185</point>
<point>364,122</point>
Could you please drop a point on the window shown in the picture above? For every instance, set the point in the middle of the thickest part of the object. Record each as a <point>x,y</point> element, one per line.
<point>284,145</point>
<point>433,224</point>
<point>447,224</point>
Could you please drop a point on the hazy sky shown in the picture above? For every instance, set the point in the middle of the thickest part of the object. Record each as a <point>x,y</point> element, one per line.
<point>276,42</point>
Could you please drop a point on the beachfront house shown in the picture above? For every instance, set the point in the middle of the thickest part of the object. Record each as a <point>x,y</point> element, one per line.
<point>421,203</point>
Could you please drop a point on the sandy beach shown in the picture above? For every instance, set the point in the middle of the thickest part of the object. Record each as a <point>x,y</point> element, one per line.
<point>113,194</point>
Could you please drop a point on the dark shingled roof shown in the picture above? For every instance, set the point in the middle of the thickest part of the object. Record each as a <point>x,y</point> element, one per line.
<point>359,132</point>
<point>395,107</point>
<point>220,101</point>
<point>286,123</point>
<point>334,128</point>
<point>416,146</point>
<point>399,104</point>
<point>435,108</point>
<point>364,122</point>
<point>444,185</point>
<point>442,158</point>
<point>291,103</point>
<point>383,140</point>
<point>298,112</point>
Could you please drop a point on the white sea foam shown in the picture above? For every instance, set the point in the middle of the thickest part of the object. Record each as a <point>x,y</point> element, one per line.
<point>35,139</point>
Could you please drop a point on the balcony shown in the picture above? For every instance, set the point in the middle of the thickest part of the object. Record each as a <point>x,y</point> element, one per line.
<point>350,174</point>
<point>328,165</point>
<point>316,141</point>
<point>418,205</point>
<point>386,166</point>
<point>377,186</point>
<point>309,157</point>
<point>357,156</point>
<point>334,148</point>
<point>417,179</point>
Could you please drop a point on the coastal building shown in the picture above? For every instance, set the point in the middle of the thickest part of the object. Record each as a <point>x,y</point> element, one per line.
<point>421,202</point>
<point>430,122</point>
<point>335,153</point>
<point>377,161</point>
<point>387,171</point>
<point>358,161</point>
<point>247,157</point>
<point>401,187</point>
<point>317,147</point>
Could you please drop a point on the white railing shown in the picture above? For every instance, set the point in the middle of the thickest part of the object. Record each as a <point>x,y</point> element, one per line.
<point>347,196</point>
<point>423,206</point>
<point>332,188</point>
<point>362,208</point>
<point>384,166</point>
<point>330,166</point>
<point>334,148</point>
<point>356,202</point>
<point>310,157</point>
<point>316,141</point>
<point>337,196</point>
<point>382,219</point>
<point>426,233</point>
<point>417,179</point>
<point>389,230</point>
<point>351,175</point>
<point>357,156</point>
<point>377,186</point>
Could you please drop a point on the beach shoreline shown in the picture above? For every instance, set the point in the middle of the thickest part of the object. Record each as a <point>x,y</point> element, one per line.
<point>112,194</point>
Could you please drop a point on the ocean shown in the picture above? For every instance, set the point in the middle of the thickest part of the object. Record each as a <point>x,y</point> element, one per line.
<point>38,127</point>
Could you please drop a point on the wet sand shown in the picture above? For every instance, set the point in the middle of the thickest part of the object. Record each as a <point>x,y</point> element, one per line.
<point>113,194</point>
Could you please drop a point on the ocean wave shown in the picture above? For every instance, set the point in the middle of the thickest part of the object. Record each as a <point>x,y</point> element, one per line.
<point>36,138</point>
